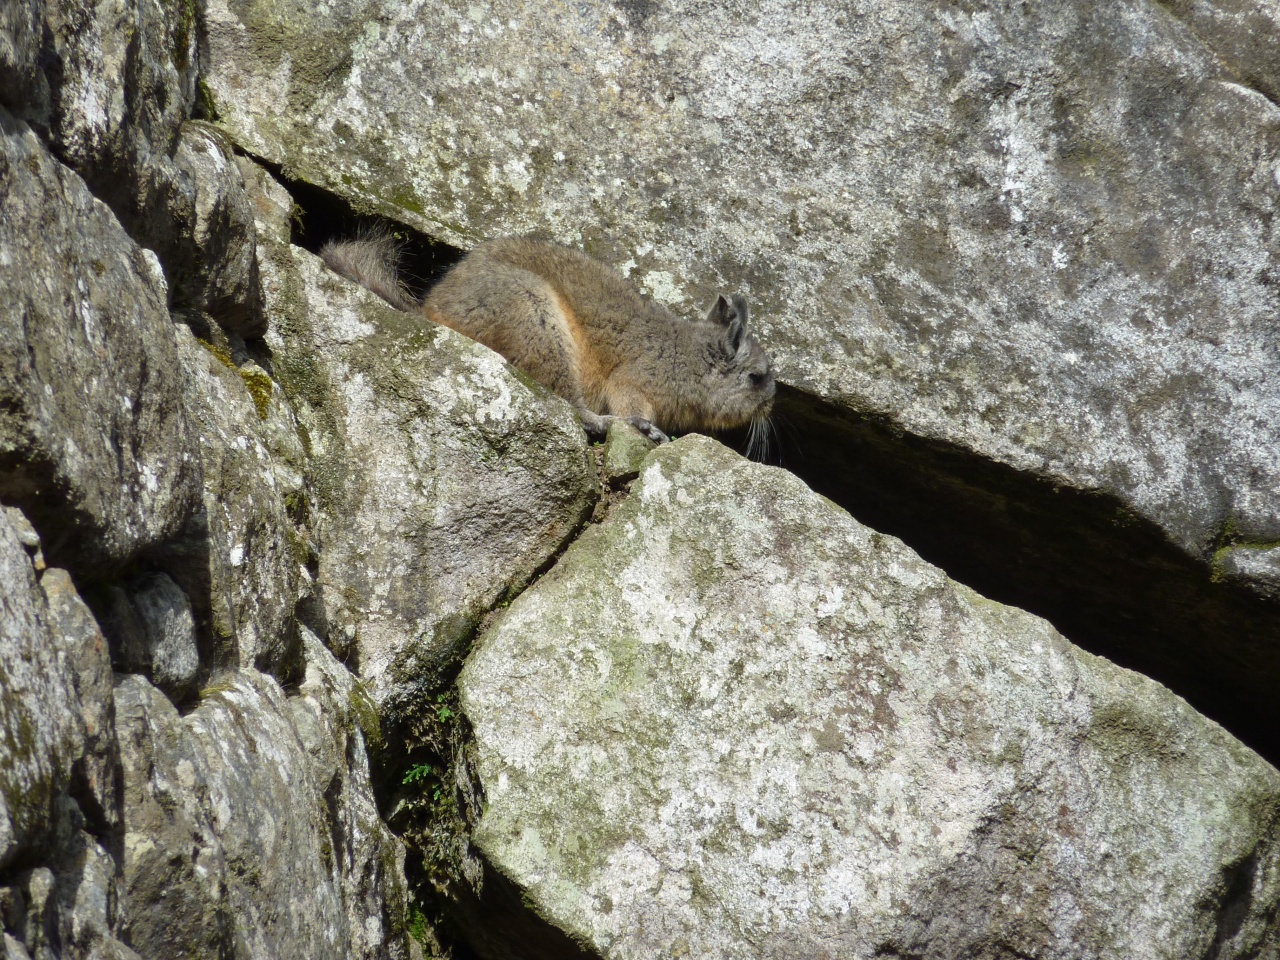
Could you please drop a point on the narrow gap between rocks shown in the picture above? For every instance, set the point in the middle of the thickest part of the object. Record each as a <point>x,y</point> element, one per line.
<point>1108,580</point>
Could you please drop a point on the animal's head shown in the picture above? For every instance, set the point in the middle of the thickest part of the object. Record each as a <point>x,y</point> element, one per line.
<point>738,385</point>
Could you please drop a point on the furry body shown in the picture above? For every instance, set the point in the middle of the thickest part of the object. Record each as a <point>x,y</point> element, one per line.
<point>579,328</point>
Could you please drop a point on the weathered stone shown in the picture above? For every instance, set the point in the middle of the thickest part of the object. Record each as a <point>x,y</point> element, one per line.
<point>733,722</point>
<point>158,638</point>
<point>243,842</point>
<point>94,444</point>
<point>1033,239</point>
<point>41,731</point>
<point>40,929</point>
<point>249,557</point>
<point>445,479</point>
<point>123,81</point>
<point>175,870</point>
<point>26,535</point>
<point>89,902</point>
<point>95,777</point>
<point>214,265</point>
<point>23,89</point>
<point>336,720</point>
<point>625,448</point>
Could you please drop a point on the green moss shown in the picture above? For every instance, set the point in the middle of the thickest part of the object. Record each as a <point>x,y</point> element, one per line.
<point>206,107</point>
<point>260,388</point>
<point>366,715</point>
<point>1121,732</point>
<point>222,353</point>
<point>1231,538</point>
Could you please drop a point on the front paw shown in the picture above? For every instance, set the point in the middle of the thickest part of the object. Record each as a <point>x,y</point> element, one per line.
<point>648,429</point>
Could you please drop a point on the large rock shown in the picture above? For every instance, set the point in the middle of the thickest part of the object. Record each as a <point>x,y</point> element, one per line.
<point>22,86</point>
<point>734,722</point>
<point>94,444</point>
<point>242,829</point>
<point>95,776</point>
<point>41,728</point>
<point>123,79</point>
<point>213,258</point>
<point>244,561</point>
<point>1033,237</point>
<point>445,479</point>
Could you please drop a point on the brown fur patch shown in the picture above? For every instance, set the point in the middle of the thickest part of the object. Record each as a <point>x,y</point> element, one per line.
<point>592,374</point>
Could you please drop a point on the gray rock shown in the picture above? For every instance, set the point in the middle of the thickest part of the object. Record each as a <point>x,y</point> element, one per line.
<point>89,902</point>
<point>1033,239</point>
<point>123,84</point>
<point>624,450</point>
<point>250,556</point>
<point>23,88</point>
<point>26,535</point>
<point>151,623</point>
<point>216,261</point>
<point>94,444</point>
<point>176,873</point>
<point>336,721</point>
<point>41,730</point>
<point>986,227</point>
<point>734,722</point>
<point>95,776</point>
<point>1258,567</point>
<point>244,841</point>
<point>444,478</point>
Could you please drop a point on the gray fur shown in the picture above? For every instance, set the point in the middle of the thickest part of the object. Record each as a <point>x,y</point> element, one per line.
<point>373,261</point>
<point>579,328</point>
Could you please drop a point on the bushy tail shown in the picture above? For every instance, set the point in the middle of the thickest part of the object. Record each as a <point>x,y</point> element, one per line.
<point>373,261</point>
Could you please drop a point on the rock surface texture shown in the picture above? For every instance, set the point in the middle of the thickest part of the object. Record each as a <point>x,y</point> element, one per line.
<point>445,480</point>
<point>733,722</point>
<point>101,461</point>
<point>1017,267</point>
<point>1037,238</point>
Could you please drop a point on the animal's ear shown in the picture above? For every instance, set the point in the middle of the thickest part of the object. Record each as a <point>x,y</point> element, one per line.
<point>735,337</point>
<point>721,311</point>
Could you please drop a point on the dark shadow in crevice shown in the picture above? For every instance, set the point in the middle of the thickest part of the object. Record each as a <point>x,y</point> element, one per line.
<point>1110,581</point>
<point>320,217</point>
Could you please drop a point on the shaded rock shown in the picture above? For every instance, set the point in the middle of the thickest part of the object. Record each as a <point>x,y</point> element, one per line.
<point>23,88</point>
<point>624,450</point>
<point>123,78</point>
<point>95,776</point>
<point>41,730</point>
<point>90,905</point>
<point>94,444</point>
<point>175,870</point>
<point>336,721</point>
<point>244,560</point>
<point>213,265</point>
<point>1035,239</point>
<point>444,478</point>
<point>734,722</point>
<point>151,624</point>
<point>241,840</point>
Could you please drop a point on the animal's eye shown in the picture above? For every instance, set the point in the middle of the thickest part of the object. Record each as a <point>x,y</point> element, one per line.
<point>757,379</point>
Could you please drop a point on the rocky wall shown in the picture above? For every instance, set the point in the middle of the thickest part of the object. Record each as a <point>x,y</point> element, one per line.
<point>327,634</point>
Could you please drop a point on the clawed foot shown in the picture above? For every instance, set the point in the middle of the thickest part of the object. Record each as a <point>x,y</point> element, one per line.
<point>648,429</point>
<point>597,425</point>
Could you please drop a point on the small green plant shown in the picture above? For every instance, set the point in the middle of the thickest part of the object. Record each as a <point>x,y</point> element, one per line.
<point>443,713</point>
<point>419,771</point>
